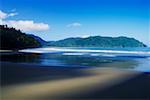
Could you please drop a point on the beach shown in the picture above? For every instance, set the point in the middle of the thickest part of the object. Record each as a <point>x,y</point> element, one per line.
<point>21,81</point>
<point>74,50</point>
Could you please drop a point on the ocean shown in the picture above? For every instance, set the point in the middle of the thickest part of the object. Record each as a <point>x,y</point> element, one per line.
<point>121,58</point>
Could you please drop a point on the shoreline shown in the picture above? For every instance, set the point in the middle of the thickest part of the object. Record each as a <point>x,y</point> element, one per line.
<point>58,83</point>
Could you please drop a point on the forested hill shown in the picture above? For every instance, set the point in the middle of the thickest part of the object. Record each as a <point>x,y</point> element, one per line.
<point>13,39</point>
<point>98,41</point>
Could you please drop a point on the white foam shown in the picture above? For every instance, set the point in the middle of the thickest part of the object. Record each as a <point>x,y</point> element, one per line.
<point>106,55</point>
<point>73,54</point>
<point>49,50</point>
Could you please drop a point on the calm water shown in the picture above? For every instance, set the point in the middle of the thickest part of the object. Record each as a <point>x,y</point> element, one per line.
<point>126,58</point>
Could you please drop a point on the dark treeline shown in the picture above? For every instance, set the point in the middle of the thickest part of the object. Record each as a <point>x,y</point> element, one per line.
<point>13,39</point>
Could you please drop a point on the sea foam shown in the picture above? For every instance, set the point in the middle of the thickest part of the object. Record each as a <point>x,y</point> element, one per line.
<point>49,50</point>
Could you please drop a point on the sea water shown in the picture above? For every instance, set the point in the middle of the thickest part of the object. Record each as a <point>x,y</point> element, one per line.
<point>120,58</point>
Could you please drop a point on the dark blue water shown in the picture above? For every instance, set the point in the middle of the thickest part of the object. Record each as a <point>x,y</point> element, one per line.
<point>120,58</point>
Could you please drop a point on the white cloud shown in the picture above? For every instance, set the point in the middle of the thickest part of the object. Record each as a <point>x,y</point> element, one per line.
<point>27,25</point>
<point>24,25</point>
<point>75,24</point>
<point>12,14</point>
<point>1,22</point>
<point>3,15</point>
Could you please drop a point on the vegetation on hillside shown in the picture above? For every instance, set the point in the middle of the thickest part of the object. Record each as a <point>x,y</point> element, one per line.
<point>13,39</point>
<point>98,41</point>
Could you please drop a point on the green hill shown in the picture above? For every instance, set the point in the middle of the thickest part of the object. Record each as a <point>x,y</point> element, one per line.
<point>98,41</point>
<point>13,39</point>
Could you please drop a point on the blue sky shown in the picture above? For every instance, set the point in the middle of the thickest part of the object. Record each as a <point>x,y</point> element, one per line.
<point>79,18</point>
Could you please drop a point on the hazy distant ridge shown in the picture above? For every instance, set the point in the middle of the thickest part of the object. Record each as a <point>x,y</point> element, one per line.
<point>98,41</point>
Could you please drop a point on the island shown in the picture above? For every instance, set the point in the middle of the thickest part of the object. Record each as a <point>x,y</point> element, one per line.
<point>97,41</point>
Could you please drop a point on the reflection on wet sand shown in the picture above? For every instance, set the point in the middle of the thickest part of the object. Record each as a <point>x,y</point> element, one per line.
<point>63,87</point>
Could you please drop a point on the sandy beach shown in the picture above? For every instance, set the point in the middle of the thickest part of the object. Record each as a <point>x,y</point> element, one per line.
<point>26,81</point>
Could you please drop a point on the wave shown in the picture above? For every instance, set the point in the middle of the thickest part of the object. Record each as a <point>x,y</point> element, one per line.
<point>51,50</point>
<point>75,54</point>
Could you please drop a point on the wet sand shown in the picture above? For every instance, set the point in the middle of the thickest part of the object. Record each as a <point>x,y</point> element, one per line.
<point>35,82</point>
